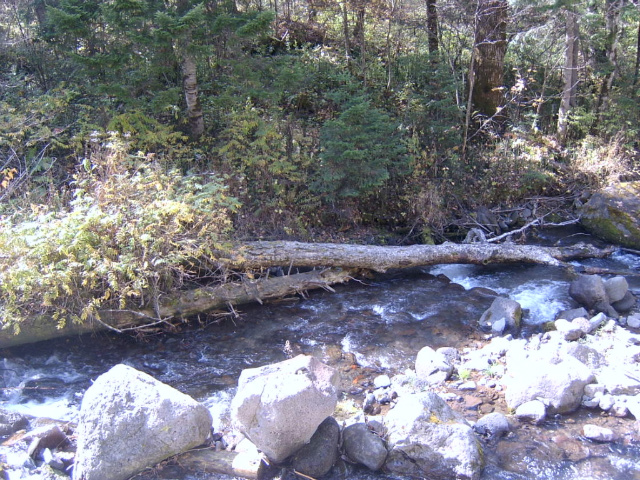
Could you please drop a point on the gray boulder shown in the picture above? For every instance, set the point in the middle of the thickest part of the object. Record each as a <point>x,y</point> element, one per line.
<point>502,308</point>
<point>573,313</point>
<point>130,421</point>
<point>532,412</point>
<point>432,366</point>
<point>558,383</point>
<point>616,288</point>
<point>492,426</point>
<point>626,303</point>
<point>317,457</point>
<point>280,406</point>
<point>589,290</point>
<point>427,439</point>
<point>614,214</point>
<point>363,446</point>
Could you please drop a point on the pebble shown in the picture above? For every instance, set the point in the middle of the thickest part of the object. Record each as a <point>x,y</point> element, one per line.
<point>470,385</point>
<point>382,381</point>
<point>599,434</point>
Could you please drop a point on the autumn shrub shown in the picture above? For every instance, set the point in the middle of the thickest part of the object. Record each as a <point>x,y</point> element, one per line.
<point>131,232</point>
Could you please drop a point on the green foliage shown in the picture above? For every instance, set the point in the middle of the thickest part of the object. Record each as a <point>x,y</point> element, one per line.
<point>131,232</point>
<point>361,149</point>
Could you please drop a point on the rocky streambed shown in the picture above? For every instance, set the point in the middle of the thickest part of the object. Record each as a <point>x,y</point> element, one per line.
<point>558,404</point>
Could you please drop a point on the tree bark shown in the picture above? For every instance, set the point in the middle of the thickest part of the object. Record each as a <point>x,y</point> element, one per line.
<point>568,99</point>
<point>432,26</point>
<point>190,85</point>
<point>490,48</point>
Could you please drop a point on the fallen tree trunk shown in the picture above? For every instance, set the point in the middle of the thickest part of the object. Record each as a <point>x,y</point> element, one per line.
<point>234,464</point>
<point>255,255</point>
<point>338,262</point>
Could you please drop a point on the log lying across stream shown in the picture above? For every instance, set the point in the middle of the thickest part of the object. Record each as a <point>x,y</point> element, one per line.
<point>332,263</point>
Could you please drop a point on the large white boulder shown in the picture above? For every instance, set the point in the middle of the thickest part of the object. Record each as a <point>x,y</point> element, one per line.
<point>558,383</point>
<point>427,439</point>
<point>280,406</point>
<point>130,421</point>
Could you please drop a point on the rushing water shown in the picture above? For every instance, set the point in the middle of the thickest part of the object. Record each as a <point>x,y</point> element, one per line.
<point>381,324</point>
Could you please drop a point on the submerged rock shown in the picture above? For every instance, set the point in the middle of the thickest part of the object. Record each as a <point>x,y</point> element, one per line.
<point>427,439</point>
<point>130,421</point>
<point>280,406</point>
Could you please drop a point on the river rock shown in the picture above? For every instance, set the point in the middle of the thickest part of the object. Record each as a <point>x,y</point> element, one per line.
<point>616,288</point>
<point>613,214</point>
<point>558,383</point>
<point>432,366</point>
<point>589,290</point>
<point>633,321</point>
<point>569,330</point>
<point>11,422</point>
<point>363,446</point>
<point>532,412</point>
<point>492,426</point>
<point>572,313</point>
<point>317,457</point>
<point>626,303</point>
<point>280,406</point>
<point>427,439</point>
<point>502,308</point>
<point>617,382</point>
<point>597,433</point>
<point>130,421</point>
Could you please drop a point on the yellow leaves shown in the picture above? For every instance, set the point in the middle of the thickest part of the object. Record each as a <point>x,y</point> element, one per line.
<point>6,176</point>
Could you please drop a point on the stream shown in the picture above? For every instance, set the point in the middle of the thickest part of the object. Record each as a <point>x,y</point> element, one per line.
<point>364,330</point>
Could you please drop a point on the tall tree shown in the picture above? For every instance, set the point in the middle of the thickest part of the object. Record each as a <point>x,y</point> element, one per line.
<point>570,73</point>
<point>490,47</point>
<point>432,26</point>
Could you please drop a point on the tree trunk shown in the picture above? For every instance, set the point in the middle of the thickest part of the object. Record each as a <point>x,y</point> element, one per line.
<point>432,26</point>
<point>338,263</point>
<point>612,21</point>
<point>190,85</point>
<point>490,48</point>
<point>568,99</point>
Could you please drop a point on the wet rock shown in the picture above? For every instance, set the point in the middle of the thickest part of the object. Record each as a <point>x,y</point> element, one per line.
<point>432,366</point>
<point>269,397</point>
<point>502,308</point>
<point>492,426</point>
<point>614,214</point>
<point>616,288</point>
<point>363,446</point>
<point>589,290</point>
<point>317,457</point>
<point>597,433</point>
<point>532,412</point>
<point>559,383</point>
<point>573,313</point>
<point>47,436</point>
<point>427,439</point>
<point>626,303</point>
<point>11,422</point>
<point>130,421</point>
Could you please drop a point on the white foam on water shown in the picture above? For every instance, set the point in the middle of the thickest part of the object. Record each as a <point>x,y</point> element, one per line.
<point>54,408</point>
<point>542,299</point>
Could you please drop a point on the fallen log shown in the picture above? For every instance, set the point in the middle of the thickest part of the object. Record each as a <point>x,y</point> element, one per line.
<point>336,263</point>
<point>255,255</point>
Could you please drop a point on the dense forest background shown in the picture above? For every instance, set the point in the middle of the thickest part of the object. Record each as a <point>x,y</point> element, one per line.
<point>137,135</point>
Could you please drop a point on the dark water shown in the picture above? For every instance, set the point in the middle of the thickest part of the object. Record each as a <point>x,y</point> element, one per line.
<point>380,326</point>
